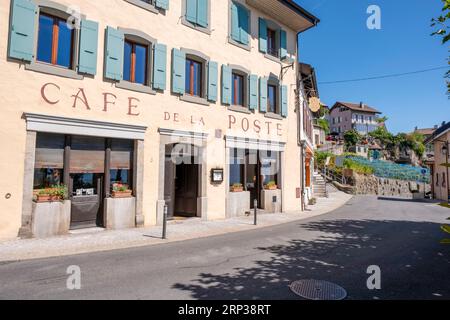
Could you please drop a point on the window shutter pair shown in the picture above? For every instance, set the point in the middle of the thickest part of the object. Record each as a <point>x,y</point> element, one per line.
<point>197,12</point>
<point>115,41</point>
<point>240,23</point>
<point>263,39</point>
<point>22,37</point>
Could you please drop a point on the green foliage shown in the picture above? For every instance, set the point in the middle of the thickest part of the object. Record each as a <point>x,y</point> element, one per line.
<point>443,30</point>
<point>382,120</point>
<point>413,141</point>
<point>358,167</point>
<point>351,138</point>
<point>382,135</point>
<point>324,125</point>
<point>321,157</point>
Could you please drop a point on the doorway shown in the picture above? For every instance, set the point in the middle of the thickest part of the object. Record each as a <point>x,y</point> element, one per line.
<point>253,178</point>
<point>86,197</point>
<point>181,181</point>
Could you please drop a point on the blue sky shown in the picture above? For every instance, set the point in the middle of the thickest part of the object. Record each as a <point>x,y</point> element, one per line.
<point>342,47</point>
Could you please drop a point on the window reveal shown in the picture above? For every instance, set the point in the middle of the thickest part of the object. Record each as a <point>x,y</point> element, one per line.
<point>194,75</point>
<point>55,41</point>
<point>135,67</point>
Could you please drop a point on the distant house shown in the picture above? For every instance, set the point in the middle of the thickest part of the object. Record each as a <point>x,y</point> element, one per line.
<point>345,116</point>
<point>427,133</point>
<point>440,170</point>
<point>361,150</point>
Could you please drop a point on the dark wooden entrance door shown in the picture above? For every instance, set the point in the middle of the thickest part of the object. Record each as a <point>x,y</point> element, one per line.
<point>186,190</point>
<point>86,197</point>
<point>253,179</point>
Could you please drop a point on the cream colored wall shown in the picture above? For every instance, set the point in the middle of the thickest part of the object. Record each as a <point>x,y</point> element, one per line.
<point>20,92</point>
<point>441,192</point>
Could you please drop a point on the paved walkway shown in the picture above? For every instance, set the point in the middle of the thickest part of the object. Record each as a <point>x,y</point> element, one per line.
<point>13,250</point>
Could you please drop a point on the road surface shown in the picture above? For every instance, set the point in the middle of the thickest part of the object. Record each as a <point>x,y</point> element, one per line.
<point>403,238</point>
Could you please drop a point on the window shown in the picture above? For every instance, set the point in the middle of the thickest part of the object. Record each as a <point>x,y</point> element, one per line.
<point>237,166</point>
<point>272,46</point>
<point>239,25</point>
<point>194,70</point>
<point>121,163</point>
<point>55,41</point>
<point>49,160</point>
<point>197,15</point>
<point>237,91</point>
<point>272,99</point>
<point>135,66</point>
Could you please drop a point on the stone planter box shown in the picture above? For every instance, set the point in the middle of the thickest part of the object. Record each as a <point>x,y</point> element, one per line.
<point>122,194</point>
<point>267,200</point>
<point>120,213</point>
<point>238,203</point>
<point>50,218</point>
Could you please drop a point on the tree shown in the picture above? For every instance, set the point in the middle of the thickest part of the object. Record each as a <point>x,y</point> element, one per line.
<point>324,125</point>
<point>443,30</point>
<point>382,120</point>
<point>351,138</point>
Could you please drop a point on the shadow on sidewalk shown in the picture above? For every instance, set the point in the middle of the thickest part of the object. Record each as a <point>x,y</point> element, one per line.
<point>413,263</point>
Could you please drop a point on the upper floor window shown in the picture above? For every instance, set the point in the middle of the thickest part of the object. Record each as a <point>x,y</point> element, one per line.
<point>272,46</point>
<point>237,86</point>
<point>43,36</point>
<point>194,77</point>
<point>151,5</point>
<point>55,41</point>
<point>239,25</point>
<point>272,39</point>
<point>197,14</point>
<point>272,98</point>
<point>135,66</point>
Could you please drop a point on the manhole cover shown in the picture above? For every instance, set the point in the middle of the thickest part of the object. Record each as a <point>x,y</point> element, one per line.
<point>318,290</point>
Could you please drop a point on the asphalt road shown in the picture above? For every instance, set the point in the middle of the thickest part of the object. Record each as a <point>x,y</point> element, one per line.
<point>403,238</point>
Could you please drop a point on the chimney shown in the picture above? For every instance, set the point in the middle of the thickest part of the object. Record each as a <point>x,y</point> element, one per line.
<point>416,128</point>
<point>361,104</point>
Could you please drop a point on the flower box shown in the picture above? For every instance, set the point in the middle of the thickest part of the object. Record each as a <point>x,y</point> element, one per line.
<point>122,194</point>
<point>237,187</point>
<point>271,187</point>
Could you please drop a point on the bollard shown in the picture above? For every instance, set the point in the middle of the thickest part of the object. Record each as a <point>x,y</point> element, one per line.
<point>164,230</point>
<point>255,207</point>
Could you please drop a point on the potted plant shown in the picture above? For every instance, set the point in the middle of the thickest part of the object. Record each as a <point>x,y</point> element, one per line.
<point>237,187</point>
<point>54,193</point>
<point>271,185</point>
<point>120,190</point>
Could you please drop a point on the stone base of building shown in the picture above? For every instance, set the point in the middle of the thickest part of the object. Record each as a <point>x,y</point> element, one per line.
<point>50,219</point>
<point>271,200</point>
<point>120,213</point>
<point>238,203</point>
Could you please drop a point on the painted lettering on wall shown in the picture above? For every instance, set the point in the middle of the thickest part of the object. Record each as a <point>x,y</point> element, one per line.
<point>246,125</point>
<point>51,93</point>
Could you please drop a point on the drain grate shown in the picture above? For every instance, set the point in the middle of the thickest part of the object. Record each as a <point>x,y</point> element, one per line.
<point>318,290</point>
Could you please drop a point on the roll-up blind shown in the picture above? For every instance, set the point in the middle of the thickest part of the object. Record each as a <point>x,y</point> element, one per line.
<point>87,155</point>
<point>49,151</point>
<point>121,154</point>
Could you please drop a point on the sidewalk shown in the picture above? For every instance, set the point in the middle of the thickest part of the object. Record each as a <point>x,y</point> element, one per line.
<point>13,250</point>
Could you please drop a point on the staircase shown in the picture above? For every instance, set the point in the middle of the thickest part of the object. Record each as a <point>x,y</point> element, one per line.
<point>319,186</point>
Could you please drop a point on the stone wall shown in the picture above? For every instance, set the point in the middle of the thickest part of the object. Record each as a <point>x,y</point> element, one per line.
<point>369,184</point>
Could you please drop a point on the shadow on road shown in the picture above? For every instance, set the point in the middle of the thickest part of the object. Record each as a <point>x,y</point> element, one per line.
<point>414,264</point>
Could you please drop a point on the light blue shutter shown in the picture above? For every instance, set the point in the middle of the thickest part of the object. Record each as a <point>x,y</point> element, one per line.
<point>262,35</point>
<point>284,101</point>
<point>244,24</point>
<point>212,81</point>
<point>191,11</point>
<point>114,54</point>
<point>283,44</point>
<point>159,66</point>
<point>87,62</point>
<point>235,33</point>
<point>178,71</point>
<point>23,18</point>
<point>162,4</point>
<point>226,85</point>
<point>263,94</point>
<point>202,13</point>
<point>253,91</point>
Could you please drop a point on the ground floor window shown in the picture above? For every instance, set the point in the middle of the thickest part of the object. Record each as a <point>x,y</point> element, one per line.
<point>49,160</point>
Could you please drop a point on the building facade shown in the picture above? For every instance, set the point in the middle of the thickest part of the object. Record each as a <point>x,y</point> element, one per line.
<point>133,109</point>
<point>440,139</point>
<point>345,116</point>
